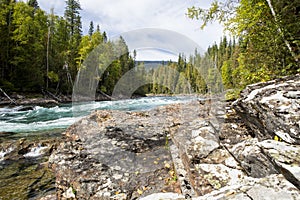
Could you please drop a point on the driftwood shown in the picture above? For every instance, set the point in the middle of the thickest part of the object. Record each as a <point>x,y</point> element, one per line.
<point>11,100</point>
<point>106,95</point>
<point>46,92</point>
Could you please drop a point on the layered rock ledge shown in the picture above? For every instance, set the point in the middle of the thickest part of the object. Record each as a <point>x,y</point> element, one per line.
<point>199,150</point>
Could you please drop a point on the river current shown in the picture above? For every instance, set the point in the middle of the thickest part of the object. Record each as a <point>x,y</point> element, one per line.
<point>60,117</point>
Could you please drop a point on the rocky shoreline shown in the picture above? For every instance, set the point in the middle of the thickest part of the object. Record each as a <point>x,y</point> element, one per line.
<point>47,99</point>
<point>206,149</point>
<point>248,149</point>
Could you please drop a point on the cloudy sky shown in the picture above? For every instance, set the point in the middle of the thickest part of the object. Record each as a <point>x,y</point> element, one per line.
<point>163,18</point>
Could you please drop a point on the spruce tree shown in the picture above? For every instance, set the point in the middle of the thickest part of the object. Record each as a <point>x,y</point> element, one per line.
<point>91,29</point>
<point>33,3</point>
<point>74,27</point>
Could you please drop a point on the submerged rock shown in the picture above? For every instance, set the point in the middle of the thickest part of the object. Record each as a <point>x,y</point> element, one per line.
<point>24,172</point>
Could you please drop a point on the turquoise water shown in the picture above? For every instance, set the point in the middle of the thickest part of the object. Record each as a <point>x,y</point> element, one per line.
<point>60,117</point>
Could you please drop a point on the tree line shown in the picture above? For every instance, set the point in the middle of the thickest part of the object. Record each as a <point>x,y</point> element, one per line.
<point>267,34</point>
<point>41,50</point>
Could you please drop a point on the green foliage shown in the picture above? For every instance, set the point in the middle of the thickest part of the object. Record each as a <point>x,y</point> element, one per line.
<point>268,33</point>
<point>53,76</point>
<point>232,94</point>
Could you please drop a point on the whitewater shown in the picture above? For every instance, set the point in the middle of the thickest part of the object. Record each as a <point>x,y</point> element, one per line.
<point>12,119</point>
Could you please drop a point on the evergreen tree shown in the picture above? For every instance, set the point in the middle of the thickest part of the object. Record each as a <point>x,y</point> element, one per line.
<point>29,49</point>
<point>72,15</point>
<point>33,3</point>
<point>74,27</point>
<point>6,29</point>
<point>91,29</point>
<point>268,34</point>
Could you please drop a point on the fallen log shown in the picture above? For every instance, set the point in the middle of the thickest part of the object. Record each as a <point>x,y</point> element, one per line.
<point>46,92</point>
<point>11,100</point>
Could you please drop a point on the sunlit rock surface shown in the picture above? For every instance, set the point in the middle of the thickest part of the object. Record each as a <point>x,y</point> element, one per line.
<point>199,150</point>
<point>272,108</point>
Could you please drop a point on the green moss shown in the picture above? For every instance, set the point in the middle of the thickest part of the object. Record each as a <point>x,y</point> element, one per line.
<point>23,180</point>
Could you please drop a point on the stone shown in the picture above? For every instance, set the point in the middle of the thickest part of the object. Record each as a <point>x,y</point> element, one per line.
<point>272,108</point>
<point>251,158</point>
<point>165,196</point>
<point>285,157</point>
<point>114,154</point>
<point>198,150</point>
<point>270,187</point>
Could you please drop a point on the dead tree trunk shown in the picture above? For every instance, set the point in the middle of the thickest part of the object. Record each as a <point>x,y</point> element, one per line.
<point>281,32</point>
<point>11,100</point>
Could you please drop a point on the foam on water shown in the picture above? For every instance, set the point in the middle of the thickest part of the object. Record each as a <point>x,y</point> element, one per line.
<point>42,118</point>
<point>4,152</point>
<point>35,152</point>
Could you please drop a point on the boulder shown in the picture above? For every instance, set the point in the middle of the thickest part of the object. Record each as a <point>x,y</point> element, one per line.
<point>285,158</point>
<point>116,155</point>
<point>272,109</point>
<point>198,150</point>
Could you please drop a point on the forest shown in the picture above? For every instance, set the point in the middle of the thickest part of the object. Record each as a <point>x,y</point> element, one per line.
<point>43,51</point>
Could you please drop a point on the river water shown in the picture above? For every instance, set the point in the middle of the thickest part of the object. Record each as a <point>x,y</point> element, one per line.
<point>22,177</point>
<point>41,119</point>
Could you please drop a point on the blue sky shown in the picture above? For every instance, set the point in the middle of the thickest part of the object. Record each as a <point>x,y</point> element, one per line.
<point>119,16</point>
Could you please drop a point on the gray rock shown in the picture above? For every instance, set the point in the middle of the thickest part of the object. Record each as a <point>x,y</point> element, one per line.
<point>165,196</point>
<point>251,158</point>
<point>192,151</point>
<point>285,157</point>
<point>117,155</point>
<point>272,108</point>
<point>270,187</point>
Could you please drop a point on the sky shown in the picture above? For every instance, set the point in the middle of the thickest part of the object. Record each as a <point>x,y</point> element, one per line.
<point>155,20</point>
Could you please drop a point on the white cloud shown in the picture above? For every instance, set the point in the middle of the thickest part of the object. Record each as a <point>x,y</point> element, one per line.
<point>118,16</point>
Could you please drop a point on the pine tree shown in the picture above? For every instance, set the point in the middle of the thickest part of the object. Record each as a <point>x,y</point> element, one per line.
<point>29,47</point>
<point>91,29</point>
<point>72,13</point>
<point>6,28</point>
<point>33,3</point>
<point>74,27</point>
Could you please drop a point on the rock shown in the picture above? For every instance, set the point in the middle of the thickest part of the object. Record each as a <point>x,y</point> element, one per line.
<point>207,162</point>
<point>285,158</point>
<point>270,187</point>
<point>117,155</point>
<point>251,158</point>
<point>49,197</point>
<point>165,196</point>
<point>272,108</point>
<point>24,172</point>
<point>198,150</point>
<point>37,101</point>
<point>25,108</point>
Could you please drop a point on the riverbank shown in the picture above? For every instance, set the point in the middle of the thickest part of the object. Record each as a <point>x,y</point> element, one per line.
<point>48,99</point>
<point>203,149</point>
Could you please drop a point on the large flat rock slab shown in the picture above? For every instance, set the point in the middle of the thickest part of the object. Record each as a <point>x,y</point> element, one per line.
<point>116,155</point>
<point>272,109</point>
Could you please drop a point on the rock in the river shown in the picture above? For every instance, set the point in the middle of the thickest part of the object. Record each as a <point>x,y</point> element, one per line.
<point>24,172</point>
<point>117,155</point>
<point>272,109</point>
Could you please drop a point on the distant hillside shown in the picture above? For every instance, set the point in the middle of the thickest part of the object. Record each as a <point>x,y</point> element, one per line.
<point>152,64</point>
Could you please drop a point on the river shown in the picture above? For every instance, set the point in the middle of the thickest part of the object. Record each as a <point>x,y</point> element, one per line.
<point>21,175</point>
<point>60,117</point>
